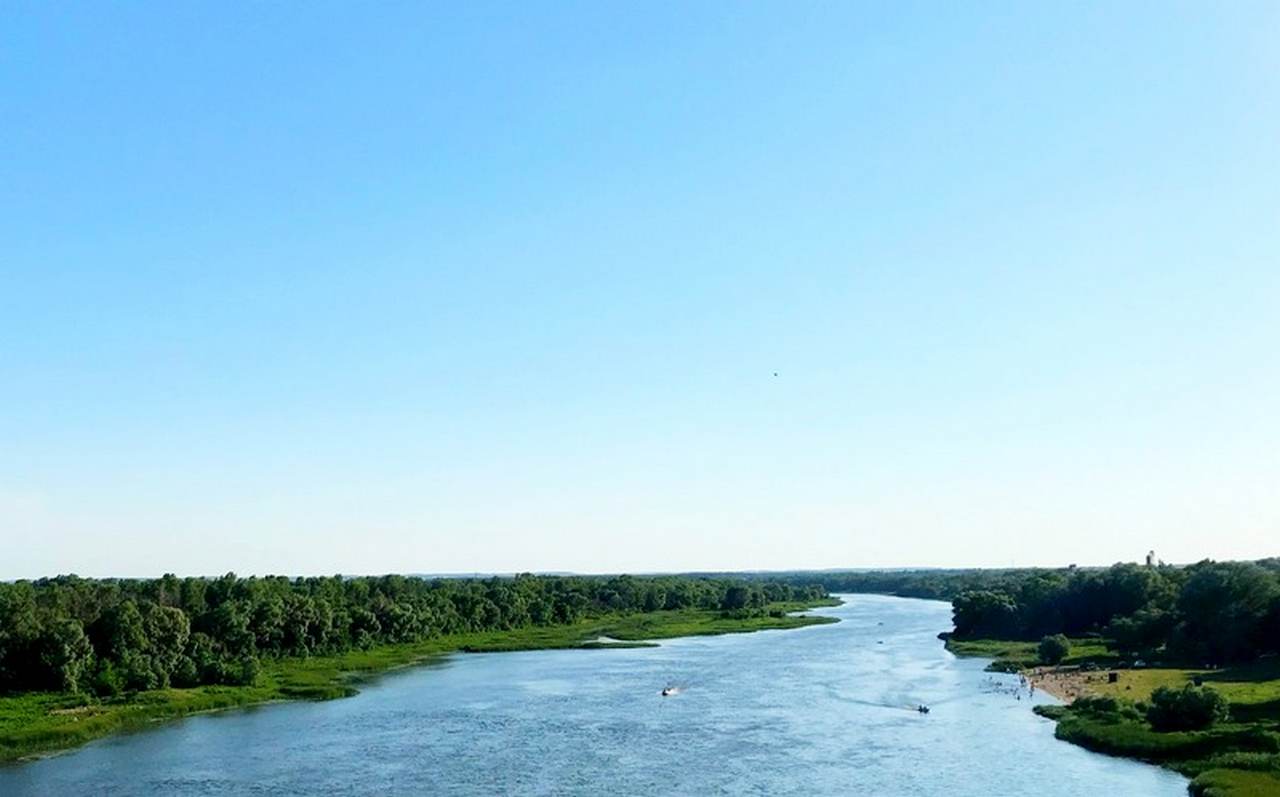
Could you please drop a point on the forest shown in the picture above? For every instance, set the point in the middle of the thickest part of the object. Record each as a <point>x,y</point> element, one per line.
<point>110,636</point>
<point>1206,614</point>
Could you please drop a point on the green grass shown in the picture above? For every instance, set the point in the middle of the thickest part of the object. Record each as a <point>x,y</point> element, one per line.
<point>1012,655</point>
<point>1235,783</point>
<point>1253,685</point>
<point>36,723</point>
<point>1188,751</point>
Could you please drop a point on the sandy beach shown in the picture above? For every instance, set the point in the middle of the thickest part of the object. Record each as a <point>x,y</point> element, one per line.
<point>1064,683</point>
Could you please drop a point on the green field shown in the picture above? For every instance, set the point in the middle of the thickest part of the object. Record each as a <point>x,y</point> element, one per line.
<point>1252,685</point>
<point>35,723</point>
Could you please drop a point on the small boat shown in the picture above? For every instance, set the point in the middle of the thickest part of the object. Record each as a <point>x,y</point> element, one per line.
<point>668,691</point>
<point>922,708</point>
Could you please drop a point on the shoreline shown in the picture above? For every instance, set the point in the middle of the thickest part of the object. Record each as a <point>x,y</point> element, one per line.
<point>1064,683</point>
<point>1218,761</point>
<point>38,725</point>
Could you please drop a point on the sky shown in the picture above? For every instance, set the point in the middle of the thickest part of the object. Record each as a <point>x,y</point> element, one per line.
<point>631,287</point>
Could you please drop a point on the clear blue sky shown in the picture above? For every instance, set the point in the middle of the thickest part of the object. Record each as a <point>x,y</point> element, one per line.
<point>315,288</point>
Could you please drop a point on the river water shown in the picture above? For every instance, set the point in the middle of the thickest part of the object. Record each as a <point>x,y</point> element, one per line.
<point>820,710</point>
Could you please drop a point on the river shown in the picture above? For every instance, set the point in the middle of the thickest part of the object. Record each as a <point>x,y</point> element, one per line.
<point>821,710</point>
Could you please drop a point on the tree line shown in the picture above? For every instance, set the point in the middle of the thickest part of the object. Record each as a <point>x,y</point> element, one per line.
<point>1209,613</point>
<point>109,636</point>
<point>933,584</point>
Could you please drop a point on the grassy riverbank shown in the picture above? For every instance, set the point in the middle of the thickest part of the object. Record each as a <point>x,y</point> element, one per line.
<point>36,723</point>
<point>1014,656</point>
<point>1236,758</point>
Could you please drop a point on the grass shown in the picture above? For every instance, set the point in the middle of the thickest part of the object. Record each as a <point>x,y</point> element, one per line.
<point>1013,655</point>
<point>1252,685</point>
<point>38,723</point>
<point>1235,783</point>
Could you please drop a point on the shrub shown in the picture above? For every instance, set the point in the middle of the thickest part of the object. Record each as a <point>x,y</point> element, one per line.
<point>1096,705</point>
<point>1053,649</point>
<point>247,671</point>
<point>185,673</point>
<point>1190,708</point>
<point>107,682</point>
<point>1107,708</point>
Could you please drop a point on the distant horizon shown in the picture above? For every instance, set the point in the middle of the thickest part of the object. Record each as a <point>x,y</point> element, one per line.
<point>482,574</point>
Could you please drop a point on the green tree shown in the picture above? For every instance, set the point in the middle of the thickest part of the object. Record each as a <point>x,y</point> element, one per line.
<point>66,654</point>
<point>1224,609</point>
<point>985,613</point>
<point>736,597</point>
<point>1053,649</point>
<point>167,629</point>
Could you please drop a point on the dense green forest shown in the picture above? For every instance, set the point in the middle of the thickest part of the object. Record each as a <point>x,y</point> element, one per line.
<point>111,635</point>
<point>108,636</point>
<point>1210,613</point>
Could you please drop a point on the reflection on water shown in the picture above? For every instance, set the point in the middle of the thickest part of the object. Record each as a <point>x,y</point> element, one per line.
<point>823,710</point>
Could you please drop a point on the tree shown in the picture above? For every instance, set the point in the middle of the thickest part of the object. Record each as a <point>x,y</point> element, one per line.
<point>66,654</point>
<point>167,630</point>
<point>19,630</point>
<point>122,631</point>
<point>1142,633</point>
<point>1224,609</point>
<point>1190,708</point>
<point>735,598</point>
<point>1053,649</point>
<point>985,613</point>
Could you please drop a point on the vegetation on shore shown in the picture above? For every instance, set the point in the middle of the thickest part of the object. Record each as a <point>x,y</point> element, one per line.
<point>33,723</point>
<point>1177,666</point>
<point>1011,655</point>
<point>1238,756</point>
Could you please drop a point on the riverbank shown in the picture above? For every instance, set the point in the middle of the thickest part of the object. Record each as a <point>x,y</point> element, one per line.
<point>1236,758</point>
<point>34,724</point>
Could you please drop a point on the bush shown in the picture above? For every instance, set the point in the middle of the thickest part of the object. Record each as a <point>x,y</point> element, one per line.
<point>1108,708</point>
<point>1053,649</point>
<point>107,681</point>
<point>185,673</point>
<point>1096,705</point>
<point>1190,708</point>
<point>245,671</point>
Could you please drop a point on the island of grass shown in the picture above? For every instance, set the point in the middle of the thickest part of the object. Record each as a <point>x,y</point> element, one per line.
<point>1106,712</point>
<point>36,723</point>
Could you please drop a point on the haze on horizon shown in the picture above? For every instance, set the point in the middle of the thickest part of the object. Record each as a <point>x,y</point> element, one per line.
<point>491,289</point>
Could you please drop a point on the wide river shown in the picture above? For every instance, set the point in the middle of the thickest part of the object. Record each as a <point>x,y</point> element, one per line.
<point>821,710</point>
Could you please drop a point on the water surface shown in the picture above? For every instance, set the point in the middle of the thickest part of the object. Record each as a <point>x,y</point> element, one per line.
<point>821,710</point>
